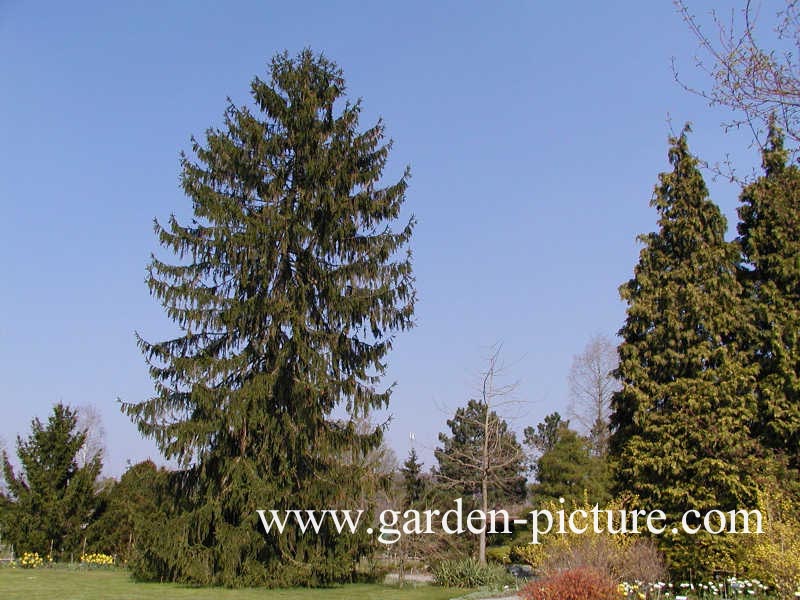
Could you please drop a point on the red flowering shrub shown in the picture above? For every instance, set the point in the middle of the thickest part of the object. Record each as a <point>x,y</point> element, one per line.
<point>576,584</point>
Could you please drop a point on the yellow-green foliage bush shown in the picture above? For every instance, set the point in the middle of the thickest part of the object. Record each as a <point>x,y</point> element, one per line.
<point>527,554</point>
<point>774,556</point>
<point>703,555</point>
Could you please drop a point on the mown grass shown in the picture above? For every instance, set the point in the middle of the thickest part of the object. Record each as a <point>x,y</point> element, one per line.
<point>66,584</point>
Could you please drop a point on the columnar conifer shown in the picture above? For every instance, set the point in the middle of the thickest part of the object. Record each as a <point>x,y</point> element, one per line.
<point>681,422</point>
<point>769,234</point>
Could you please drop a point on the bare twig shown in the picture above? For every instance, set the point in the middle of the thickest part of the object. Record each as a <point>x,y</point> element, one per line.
<point>748,76</point>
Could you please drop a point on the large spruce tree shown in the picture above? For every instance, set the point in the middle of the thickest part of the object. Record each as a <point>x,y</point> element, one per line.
<point>769,234</point>
<point>681,422</point>
<point>289,286</point>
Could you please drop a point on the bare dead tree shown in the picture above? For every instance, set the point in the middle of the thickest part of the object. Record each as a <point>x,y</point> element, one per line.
<point>381,460</point>
<point>483,456</point>
<point>3,452</point>
<point>91,421</point>
<point>375,466</point>
<point>591,385</point>
<point>754,72</point>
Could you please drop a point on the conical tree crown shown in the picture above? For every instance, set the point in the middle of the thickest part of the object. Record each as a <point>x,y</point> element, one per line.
<point>769,235</point>
<point>51,499</point>
<point>413,483</point>
<point>681,422</point>
<point>290,284</point>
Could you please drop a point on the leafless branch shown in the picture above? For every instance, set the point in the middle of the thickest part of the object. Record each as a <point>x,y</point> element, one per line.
<point>753,78</point>
<point>591,385</point>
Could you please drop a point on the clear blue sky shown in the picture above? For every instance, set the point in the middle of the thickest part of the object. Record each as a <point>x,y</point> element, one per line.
<point>535,132</point>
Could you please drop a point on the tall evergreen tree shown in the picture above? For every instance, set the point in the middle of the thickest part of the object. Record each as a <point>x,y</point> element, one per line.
<point>546,434</point>
<point>769,234</point>
<point>413,483</point>
<point>52,500</point>
<point>570,471</point>
<point>566,467</point>
<point>681,422</point>
<point>290,285</point>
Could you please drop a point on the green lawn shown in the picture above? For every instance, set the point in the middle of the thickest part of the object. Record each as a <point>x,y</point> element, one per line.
<point>64,584</point>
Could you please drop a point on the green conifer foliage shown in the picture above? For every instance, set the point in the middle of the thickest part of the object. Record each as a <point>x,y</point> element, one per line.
<point>769,234</point>
<point>52,499</point>
<point>124,508</point>
<point>681,422</point>
<point>545,436</point>
<point>289,287</point>
<point>413,483</point>
<point>568,469</point>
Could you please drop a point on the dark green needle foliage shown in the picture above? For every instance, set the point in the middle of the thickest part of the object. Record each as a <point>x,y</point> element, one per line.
<point>566,467</point>
<point>413,481</point>
<point>544,437</point>
<point>125,507</point>
<point>290,284</point>
<point>51,500</point>
<point>769,234</point>
<point>681,422</point>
